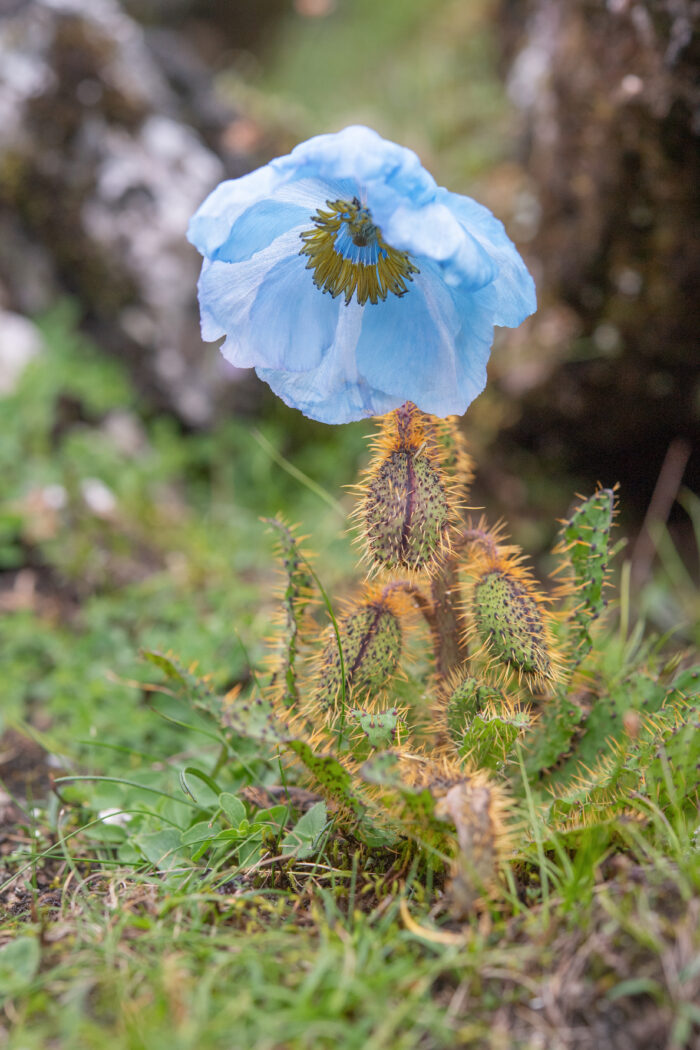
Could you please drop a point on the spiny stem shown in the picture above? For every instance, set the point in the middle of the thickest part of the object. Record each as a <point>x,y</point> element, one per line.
<point>448,629</point>
<point>441,615</point>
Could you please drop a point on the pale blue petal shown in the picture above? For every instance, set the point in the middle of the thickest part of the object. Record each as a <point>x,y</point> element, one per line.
<point>227,295</point>
<point>291,204</point>
<point>430,346</point>
<point>433,231</point>
<point>515,297</point>
<point>292,324</point>
<point>334,391</point>
<point>211,224</point>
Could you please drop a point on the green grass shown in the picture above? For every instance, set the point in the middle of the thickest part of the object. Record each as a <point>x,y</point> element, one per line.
<point>136,964</point>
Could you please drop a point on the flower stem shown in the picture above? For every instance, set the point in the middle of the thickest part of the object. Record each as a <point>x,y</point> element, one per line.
<point>447,629</point>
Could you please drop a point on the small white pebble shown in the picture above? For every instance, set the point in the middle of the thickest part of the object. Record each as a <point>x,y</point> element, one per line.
<point>114,816</point>
<point>632,85</point>
<point>98,497</point>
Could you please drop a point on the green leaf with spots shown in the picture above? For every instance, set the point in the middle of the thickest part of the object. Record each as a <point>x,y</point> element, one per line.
<point>254,718</point>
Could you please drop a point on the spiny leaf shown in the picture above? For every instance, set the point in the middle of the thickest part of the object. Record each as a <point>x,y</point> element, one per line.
<point>418,803</point>
<point>332,778</point>
<point>585,544</point>
<point>463,700</point>
<point>254,718</point>
<point>295,598</point>
<point>489,736</point>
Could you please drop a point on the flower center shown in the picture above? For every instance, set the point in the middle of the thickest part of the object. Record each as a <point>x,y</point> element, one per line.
<point>348,255</point>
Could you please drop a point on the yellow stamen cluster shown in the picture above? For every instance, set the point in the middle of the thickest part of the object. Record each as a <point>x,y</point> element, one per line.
<point>370,270</point>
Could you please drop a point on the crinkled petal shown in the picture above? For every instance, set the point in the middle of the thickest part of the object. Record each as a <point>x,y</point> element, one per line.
<point>211,225</point>
<point>256,224</point>
<point>268,308</point>
<point>362,156</point>
<point>433,231</point>
<point>515,297</point>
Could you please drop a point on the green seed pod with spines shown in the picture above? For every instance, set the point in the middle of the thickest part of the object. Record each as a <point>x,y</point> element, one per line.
<point>371,640</point>
<point>509,619</point>
<point>411,492</point>
<point>407,512</point>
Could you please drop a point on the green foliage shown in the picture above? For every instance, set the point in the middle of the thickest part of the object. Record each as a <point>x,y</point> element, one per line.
<point>189,775</point>
<point>380,727</point>
<point>295,599</point>
<point>488,738</point>
<point>469,696</point>
<point>304,837</point>
<point>19,962</point>
<point>595,733</point>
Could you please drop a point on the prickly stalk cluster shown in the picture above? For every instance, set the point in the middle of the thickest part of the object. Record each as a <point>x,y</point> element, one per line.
<point>436,750</point>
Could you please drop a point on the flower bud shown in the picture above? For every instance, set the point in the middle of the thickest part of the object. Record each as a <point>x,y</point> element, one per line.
<point>509,618</point>
<point>371,640</point>
<point>406,512</point>
<point>412,491</point>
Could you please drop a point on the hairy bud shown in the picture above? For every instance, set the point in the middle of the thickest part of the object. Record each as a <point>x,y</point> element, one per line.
<point>464,700</point>
<point>509,619</point>
<point>371,641</point>
<point>411,492</point>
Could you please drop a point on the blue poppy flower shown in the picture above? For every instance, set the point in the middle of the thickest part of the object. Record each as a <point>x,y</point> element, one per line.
<point>352,282</point>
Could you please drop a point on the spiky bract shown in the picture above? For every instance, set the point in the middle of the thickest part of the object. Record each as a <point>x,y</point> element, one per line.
<point>412,491</point>
<point>379,727</point>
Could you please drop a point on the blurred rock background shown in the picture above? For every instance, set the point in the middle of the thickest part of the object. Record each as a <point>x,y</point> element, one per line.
<point>577,123</point>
